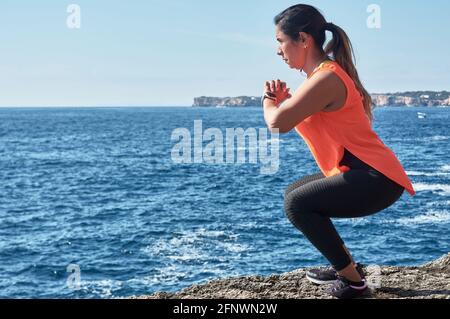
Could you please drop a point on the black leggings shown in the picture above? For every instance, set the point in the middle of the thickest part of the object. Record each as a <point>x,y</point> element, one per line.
<point>310,203</point>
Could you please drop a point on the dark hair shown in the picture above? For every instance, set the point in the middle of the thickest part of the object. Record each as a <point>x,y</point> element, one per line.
<point>306,18</point>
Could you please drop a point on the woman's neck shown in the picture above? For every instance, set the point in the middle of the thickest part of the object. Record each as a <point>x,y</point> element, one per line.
<point>314,62</point>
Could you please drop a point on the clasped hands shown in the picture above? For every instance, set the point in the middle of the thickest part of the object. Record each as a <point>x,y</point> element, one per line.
<point>276,91</point>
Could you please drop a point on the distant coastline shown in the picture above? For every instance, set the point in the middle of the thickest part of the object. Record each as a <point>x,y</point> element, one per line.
<point>409,99</point>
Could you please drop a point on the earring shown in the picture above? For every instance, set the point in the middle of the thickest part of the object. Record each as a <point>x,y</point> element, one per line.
<point>304,75</point>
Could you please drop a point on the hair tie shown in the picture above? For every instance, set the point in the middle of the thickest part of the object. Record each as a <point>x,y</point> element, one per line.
<point>328,25</point>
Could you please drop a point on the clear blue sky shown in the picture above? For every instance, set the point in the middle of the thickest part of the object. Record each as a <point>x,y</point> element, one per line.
<point>166,52</point>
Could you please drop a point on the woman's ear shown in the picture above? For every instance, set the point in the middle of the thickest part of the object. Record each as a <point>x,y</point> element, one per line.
<point>303,37</point>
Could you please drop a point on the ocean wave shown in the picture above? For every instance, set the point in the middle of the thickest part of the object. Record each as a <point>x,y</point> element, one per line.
<point>418,173</point>
<point>104,288</point>
<point>171,275</point>
<point>176,249</point>
<point>441,189</point>
<point>440,138</point>
<point>432,138</point>
<point>232,247</point>
<point>168,275</point>
<point>198,245</point>
<point>437,204</point>
<point>431,217</point>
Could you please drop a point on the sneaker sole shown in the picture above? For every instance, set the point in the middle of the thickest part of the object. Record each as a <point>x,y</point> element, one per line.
<point>320,282</point>
<point>329,282</point>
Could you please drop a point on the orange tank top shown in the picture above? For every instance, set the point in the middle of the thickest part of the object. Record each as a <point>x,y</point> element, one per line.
<point>327,134</point>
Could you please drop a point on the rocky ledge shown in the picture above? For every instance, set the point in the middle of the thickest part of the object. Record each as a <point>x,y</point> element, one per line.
<point>428,281</point>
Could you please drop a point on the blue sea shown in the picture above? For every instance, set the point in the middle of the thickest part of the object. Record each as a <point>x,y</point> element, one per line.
<point>93,206</point>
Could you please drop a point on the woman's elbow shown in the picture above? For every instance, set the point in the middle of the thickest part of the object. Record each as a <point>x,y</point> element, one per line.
<point>279,129</point>
<point>280,124</point>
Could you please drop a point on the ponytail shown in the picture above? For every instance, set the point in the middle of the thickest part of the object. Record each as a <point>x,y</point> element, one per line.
<point>342,50</point>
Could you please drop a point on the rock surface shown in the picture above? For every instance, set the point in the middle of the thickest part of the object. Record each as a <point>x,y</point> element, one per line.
<point>431,280</point>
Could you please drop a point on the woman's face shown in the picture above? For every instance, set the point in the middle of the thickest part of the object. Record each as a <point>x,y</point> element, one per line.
<point>293,53</point>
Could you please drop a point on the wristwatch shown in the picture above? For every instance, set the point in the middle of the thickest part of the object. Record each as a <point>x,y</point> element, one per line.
<point>270,96</point>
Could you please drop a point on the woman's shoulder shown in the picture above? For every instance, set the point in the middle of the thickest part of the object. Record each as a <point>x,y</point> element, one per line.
<point>327,67</point>
<point>331,83</point>
<point>328,76</point>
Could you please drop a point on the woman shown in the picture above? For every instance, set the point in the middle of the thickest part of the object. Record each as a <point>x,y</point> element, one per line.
<point>331,111</point>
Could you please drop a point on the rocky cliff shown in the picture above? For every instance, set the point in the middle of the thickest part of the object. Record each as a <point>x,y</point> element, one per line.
<point>428,281</point>
<point>418,98</point>
<point>227,101</point>
<point>426,98</point>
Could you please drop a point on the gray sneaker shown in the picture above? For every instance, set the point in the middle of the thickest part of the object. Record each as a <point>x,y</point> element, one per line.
<point>344,289</point>
<point>327,275</point>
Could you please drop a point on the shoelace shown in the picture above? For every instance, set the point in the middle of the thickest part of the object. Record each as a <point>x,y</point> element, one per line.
<point>343,282</point>
<point>340,283</point>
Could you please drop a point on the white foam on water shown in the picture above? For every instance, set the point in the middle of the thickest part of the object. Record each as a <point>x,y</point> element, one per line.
<point>446,168</point>
<point>103,288</point>
<point>415,173</point>
<point>249,225</point>
<point>431,217</point>
<point>233,248</point>
<point>181,249</point>
<point>167,275</point>
<point>434,214</point>
<point>202,232</point>
<point>437,204</point>
<point>433,138</point>
<point>199,247</point>
<point>171,275</point>
<point>441,189</point>
<point>187,254</point>
<point>440,138</point>
<point>418,173</point>
<point>195,245</point>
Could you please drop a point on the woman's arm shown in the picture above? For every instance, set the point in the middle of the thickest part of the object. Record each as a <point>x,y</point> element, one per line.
<point>313,96</point>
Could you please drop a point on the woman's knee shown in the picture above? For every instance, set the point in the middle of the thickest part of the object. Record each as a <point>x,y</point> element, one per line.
<point>294,206</point>
<point>292,187</point>
<point>301,182</point>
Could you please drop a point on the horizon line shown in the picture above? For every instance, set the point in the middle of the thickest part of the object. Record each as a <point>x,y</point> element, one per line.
<point>202,96</point>
<point>89,106</point>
